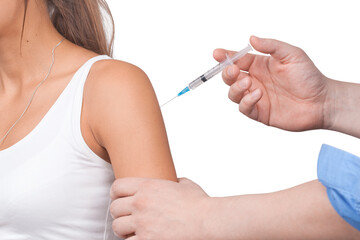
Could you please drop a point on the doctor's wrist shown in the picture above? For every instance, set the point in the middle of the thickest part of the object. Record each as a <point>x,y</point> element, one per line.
<point>329,111</point>
<point>341,107</point>
<point>212,219</point>
<point>221,220</point>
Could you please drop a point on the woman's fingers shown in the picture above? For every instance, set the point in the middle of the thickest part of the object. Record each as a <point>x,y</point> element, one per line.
<point>247,104</point>
<point>123,227</point>
<point>239,88</point>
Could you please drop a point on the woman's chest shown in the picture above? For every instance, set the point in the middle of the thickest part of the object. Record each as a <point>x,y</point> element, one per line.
<point>50,188</point>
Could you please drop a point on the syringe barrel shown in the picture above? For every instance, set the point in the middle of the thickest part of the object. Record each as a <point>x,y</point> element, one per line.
<point>218,68</point>
<point>206,76</point>
<point>194,84</point>
<point>228,61</point>
<point>212,72</point>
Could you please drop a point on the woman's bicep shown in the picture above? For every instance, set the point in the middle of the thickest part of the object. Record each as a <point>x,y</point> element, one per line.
<point>129,125</point>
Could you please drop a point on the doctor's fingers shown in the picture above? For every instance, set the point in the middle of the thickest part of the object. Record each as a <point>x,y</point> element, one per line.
<point>124,226</point>
<point>232,73</point>
<point>243,63</point>
<point>239,89</point>
<point>248,103</point>
<point>122,207</point>
<point>124,187</point>
<point>133,237</point>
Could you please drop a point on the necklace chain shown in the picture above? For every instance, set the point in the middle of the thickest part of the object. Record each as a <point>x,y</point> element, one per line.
<point>32,96</point>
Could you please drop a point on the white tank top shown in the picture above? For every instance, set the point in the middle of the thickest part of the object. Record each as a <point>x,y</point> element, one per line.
<point>52,185</point>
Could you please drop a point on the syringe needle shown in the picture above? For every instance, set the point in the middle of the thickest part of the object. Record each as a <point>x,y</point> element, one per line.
<point>169,101</point>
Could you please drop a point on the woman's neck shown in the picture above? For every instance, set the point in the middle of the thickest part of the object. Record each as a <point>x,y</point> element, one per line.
<point>24,65</point>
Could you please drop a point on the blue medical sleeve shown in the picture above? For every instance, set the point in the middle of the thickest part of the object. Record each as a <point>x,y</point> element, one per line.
<point>339,172</point>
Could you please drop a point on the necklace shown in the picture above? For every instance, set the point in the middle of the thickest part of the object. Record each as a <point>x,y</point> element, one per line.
<point>32,96</point>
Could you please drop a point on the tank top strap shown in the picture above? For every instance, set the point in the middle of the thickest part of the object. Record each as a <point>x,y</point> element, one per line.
<point>85,69</point>
<point>77,102</point>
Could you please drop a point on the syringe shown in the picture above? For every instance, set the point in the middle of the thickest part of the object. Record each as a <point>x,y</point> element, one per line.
<point>212,72</point>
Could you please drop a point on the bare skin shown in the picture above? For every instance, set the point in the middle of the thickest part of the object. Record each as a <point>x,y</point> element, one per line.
<point>124,98</point>
<point>159,209</point>
<point>287,91</point>
<point>284,90</point>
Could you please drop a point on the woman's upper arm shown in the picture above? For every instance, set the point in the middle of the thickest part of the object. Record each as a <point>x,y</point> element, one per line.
<point>126,120</point>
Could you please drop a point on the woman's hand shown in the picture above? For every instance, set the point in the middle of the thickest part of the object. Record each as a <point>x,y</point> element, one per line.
<point>283,90</point>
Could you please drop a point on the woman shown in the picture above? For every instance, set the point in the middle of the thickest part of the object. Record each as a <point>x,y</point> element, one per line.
<point>71,119</point>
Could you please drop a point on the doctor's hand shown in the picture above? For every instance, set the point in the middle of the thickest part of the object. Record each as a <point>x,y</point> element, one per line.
<point>158,209</point>
<point>283,89</point>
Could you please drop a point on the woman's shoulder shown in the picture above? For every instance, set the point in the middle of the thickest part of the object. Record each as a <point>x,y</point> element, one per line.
<point>116,79</point>
<point>116,91</point>
<point>118,85</point>
<point>113,70</point>
<point>109,71</point>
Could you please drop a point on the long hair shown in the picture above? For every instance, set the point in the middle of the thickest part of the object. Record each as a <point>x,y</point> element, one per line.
<point>83,23</point>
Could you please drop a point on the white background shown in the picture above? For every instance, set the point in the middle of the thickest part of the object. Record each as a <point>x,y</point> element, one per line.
<point>211,142</point>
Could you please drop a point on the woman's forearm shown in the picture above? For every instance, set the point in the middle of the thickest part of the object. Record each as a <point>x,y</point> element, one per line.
<point>342,111</point>
<point>302,212</point>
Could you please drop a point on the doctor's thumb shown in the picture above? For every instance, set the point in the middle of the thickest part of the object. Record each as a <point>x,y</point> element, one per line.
<point>277,49</point>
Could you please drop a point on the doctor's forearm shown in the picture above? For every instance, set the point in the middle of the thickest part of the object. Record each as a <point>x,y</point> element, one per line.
<point>302,212</point>
<point>342,107</point>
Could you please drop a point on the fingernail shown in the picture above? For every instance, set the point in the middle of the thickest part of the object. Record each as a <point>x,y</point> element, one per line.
<point>255,94</point>
<point>244,83</point>
<point>230,71</point>
<point>254,37</point>
<point>116,234</point>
